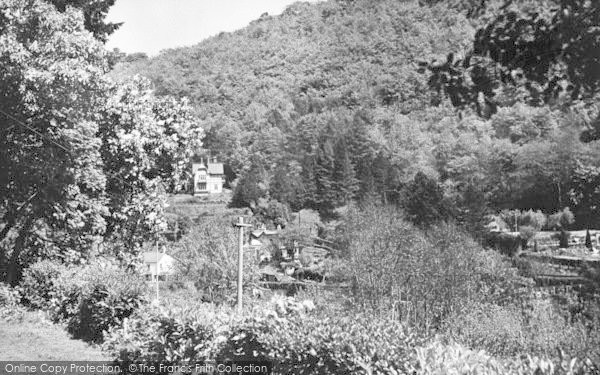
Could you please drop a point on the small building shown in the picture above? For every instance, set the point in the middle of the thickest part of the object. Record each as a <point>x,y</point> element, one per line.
<point>261,240</point>
<point>159,266</point>
<point>208,178</point>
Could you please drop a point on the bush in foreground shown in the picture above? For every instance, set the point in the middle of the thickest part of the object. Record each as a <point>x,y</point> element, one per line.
<point>299,340</point>
<point>293,340</point>
<point>89,299</point>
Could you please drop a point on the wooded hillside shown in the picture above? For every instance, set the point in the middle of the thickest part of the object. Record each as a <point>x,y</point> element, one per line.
<point>344,100</point>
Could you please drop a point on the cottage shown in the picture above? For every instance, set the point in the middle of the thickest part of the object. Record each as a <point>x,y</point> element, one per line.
<point>208,178</point>
<point>162,265</point>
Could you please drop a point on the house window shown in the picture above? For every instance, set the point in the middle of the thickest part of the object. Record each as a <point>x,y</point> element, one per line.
<point>216,187</point>
<point>201,185</point>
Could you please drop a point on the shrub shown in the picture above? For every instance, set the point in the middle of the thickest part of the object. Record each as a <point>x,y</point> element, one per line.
<point>314,344</point>
<point>497,329</point>
<point>527,233</point>
<point>534,219</point>
<point>89,299</point>
<point>105,295</point>
<point>272,212</point>
<point>286,334</point>
<point>505,243</point>
<point>510,330</point>
<point>439,358</point>
<point>561,219</point>
<point>424,276</point>
<point>39,283</point>
<point>9,303</point>
<point>8,296</point>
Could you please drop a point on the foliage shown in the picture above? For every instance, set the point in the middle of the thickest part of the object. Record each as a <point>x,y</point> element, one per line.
<point>208,256</point>
<point>52,81</point>
<point>439,358</point>
<point>584,193</point>
<point>82,157</point>
<point>307,141</point>
<point>561,220</point>
<point>9,303</point>
<point>510,330</point>
<point>272,212</point>
<point>529,218</point>
<point>424,202</point>
<point>424,275</point>
<point>294,340</point>
<point>95,12</point>
<point>39,284</point>
<point>97,297</point>
<point>557,36</point>
<point>146,144</point>
<point>89,299</point>
<point>357,122</point>
<point>299,340</point>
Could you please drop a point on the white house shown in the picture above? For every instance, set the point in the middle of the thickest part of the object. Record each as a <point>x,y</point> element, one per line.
<point>163,265</point>
<point>208,178</point>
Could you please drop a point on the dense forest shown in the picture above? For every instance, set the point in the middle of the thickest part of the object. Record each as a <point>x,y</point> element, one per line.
<point>481,106</point>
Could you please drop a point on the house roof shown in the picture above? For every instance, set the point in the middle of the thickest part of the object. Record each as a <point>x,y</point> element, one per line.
<point>215,168</point>
<point>259,232</point>
<point>150,257</point>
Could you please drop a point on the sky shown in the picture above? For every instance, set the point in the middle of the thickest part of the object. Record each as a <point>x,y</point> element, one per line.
<point>153,25</point>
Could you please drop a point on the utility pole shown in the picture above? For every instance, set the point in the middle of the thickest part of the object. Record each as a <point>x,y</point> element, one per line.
<point>156,273</point>
<point>240,224</point>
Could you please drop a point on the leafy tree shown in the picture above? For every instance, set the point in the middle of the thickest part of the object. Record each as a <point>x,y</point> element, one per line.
<point>561,220</point>
<point>51,82</point>
<point>287,184</point>
<point>325,179</point>
<point>542,53</point>
<point>585,193</point>
<point>424,201</point>
<point>250,188</point>
<point>95,12</point>
<point>146,144</point>
<point>346,184</point>
<point>80,157</point>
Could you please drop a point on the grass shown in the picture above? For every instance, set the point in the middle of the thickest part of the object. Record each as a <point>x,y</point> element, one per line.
<point>35,339</point>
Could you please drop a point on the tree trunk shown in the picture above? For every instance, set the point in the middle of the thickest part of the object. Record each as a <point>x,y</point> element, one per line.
<point>10,223</point>
<point>14,271</point>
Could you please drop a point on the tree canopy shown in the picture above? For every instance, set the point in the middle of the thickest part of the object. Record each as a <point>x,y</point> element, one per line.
<point>494,100</point>
<point>78,153</point>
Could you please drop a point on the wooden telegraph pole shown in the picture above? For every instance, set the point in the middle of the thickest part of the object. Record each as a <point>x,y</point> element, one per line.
<point>156,273</point>
<point>240,224</point>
